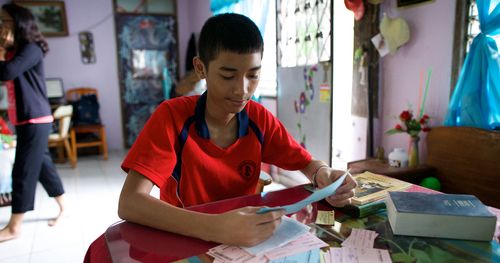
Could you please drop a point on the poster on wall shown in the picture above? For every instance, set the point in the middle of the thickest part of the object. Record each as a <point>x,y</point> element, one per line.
<point>406,3</point>
<point>50,16</point>
<point>303,109</point>
<point>147,48</point>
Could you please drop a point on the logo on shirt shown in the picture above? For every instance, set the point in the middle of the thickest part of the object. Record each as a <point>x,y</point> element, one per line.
<point>247,168</point>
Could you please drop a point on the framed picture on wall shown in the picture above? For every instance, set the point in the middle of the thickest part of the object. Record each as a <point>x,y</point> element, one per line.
<point>50,16</point>
<point>406,3</point>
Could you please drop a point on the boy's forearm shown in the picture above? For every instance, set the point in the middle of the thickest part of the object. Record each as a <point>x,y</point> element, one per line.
<point>312,167</point>
<point>147,210</point>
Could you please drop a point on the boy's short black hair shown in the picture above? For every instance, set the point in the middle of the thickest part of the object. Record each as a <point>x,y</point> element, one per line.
<point>229,32</point>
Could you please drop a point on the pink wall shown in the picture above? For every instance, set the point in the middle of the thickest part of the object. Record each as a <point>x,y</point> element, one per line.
<point>430,46</point>
<point>431,27</point>
<point>63,60</point>
<point>191,14</point>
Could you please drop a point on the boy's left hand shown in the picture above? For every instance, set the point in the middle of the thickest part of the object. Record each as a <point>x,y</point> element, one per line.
<point>344,193</point>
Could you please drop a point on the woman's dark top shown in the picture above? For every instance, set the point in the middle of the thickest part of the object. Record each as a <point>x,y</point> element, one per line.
<point>26,69</point>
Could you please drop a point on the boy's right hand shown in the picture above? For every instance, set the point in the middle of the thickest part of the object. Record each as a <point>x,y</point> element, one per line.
<point>244,227</point>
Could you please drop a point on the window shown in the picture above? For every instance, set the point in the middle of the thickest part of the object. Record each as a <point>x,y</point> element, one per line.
<point>466,28</point>
<point>262,13</point>
<point>473,25</point>
<point>304,29</point>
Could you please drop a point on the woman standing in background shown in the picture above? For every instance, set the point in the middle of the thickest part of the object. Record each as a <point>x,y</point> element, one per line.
<point>22,48</point>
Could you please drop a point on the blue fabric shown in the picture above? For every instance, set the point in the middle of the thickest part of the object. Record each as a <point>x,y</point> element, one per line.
<point>476,98</point>
<point>216,5</point>
<point>257,10</point>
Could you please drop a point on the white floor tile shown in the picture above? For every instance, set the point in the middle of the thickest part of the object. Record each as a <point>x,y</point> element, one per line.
<point>92,192</point>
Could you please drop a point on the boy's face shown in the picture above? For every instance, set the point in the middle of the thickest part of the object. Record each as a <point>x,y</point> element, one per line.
<point>231,79</point>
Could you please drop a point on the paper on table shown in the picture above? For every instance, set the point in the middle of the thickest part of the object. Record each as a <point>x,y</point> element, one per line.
<point>306,242</point>
<point>289,229</point>
<point>360,238</point>
<point>314,197</point>
<point>325,218</point>
<point>365,255</point>
<point>301,247</point>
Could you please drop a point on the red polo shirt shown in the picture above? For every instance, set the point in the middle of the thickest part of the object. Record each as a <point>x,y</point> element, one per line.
<point>175,152</point>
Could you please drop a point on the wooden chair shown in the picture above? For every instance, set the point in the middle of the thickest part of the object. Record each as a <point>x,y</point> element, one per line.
<point>60,139</point>
<point>73,95</point>
<point>466,160</point>
<point>264,179</point>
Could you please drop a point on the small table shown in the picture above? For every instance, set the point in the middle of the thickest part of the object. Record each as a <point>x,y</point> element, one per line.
<point>411,175</point>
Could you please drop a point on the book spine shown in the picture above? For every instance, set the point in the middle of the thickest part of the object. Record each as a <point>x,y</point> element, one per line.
<point>359,211</point>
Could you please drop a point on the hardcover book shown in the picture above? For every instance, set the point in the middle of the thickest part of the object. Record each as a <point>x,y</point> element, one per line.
<point>372,187</point>
<point>358,211</point>
<point>440,215</point>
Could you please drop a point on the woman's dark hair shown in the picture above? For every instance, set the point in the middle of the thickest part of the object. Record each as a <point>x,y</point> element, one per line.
<point>25,28</point>
<point>229,32</point>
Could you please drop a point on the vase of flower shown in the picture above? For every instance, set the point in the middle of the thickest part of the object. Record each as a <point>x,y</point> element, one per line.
<point>413,160</point>
<point>412,125</point>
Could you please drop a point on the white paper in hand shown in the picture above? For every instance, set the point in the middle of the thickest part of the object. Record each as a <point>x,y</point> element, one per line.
<point>314,197</point>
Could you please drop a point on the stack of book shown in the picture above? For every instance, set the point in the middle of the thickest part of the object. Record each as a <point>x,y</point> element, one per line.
<point>370,193</point>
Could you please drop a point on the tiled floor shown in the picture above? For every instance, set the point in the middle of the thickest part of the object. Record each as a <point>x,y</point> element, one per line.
<point>92,191</point>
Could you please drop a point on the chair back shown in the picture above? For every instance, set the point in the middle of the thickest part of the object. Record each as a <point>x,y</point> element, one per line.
<point>63,114</point>
<point>75,94</point>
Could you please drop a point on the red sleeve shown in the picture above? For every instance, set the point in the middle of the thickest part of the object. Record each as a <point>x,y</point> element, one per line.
<point>153,152</point>
<point>279,147</point>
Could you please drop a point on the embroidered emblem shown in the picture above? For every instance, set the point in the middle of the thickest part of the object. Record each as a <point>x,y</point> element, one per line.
<point>247,168</point>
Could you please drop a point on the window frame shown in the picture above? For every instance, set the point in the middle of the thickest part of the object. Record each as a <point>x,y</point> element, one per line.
<point>459,41</point>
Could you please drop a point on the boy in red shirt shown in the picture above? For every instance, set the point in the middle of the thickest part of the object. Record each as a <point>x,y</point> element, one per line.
<point>206,148</point>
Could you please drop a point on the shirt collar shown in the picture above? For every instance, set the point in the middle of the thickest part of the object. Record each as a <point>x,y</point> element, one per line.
<point>201,124</point>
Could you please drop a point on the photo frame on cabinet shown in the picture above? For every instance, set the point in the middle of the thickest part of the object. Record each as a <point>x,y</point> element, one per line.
<point>50,16</point>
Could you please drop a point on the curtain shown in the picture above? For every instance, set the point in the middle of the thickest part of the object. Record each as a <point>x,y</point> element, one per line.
<point>257,10</point>
<point>476,98</point>
<point>217,5</point>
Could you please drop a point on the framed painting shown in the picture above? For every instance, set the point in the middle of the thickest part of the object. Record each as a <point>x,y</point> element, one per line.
<point>407,3</point>
<point>50,16</point>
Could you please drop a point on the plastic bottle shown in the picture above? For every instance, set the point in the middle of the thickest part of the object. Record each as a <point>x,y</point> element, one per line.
<point>398,158</point>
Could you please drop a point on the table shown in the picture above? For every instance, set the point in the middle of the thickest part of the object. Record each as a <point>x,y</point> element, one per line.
<point>128,242</point>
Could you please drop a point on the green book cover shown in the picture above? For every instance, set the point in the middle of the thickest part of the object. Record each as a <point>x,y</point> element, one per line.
<point>359,211</point>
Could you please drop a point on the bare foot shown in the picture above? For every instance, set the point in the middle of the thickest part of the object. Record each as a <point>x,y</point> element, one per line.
<point>8,233</point>
<point>55,220</point>
<point>61,204</point>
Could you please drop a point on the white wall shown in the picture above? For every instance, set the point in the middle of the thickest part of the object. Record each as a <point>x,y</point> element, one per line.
<point>430,46</point>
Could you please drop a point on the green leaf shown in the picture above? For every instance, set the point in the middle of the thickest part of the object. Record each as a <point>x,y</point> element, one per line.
<point>402,257</point>
<point>393,131</point>
<point>421,256</point>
